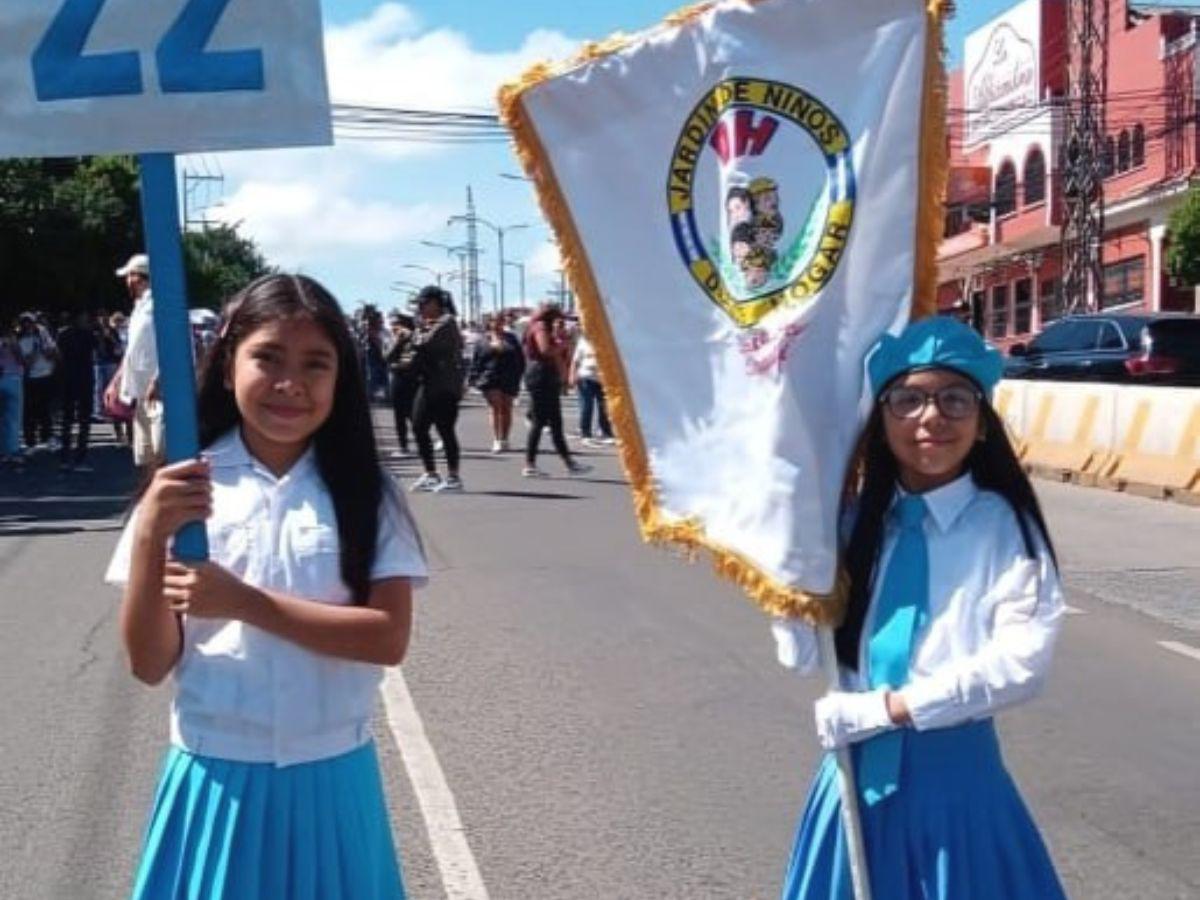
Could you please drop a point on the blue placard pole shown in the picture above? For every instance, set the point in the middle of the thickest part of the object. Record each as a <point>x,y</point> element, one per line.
<point>172,330</point>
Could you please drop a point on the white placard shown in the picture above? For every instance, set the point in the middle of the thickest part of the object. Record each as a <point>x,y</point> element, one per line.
<point>82,77</point>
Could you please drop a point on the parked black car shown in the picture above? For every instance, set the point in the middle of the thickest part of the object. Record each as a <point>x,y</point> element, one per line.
<point>1139,349</point>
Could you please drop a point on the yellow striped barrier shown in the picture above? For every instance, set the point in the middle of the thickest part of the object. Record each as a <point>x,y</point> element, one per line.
<point>1127,437</point>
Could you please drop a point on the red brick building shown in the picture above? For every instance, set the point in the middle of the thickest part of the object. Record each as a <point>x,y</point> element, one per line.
<point>1000,263</point>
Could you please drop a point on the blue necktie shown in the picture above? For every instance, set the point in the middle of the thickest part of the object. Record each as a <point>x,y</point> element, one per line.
<point>900,612</point>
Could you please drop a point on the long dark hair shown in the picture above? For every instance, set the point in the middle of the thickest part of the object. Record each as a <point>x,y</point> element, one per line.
<point>871,484</point>
<point>344,445</point>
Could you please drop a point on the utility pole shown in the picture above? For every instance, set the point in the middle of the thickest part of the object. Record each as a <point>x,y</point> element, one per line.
<point>1082,161</point>
<point>191,185</point>
<point>473,250</point>
<point>474,220</point>
<point>471,256</point>
<point>562,295</point>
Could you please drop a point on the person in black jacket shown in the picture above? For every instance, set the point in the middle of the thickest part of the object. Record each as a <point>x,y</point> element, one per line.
<point>438,358</point>
<point>77,346</point>
<point>496,369</point>
<point>401,361</point>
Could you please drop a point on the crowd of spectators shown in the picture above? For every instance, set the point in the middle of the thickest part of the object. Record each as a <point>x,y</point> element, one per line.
<point>59,374</point>
<point>53,371</point>
<point>543,352</point>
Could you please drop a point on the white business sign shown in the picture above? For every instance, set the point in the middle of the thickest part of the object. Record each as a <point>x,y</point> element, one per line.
<point>1002,72</point>
<point>81,77</point>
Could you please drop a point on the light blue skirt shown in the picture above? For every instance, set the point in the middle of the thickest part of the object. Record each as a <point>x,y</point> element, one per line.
<point>225,830</point>
<point>956,830</point>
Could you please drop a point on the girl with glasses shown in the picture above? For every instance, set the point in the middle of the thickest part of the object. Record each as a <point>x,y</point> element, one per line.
<point>953,610</point>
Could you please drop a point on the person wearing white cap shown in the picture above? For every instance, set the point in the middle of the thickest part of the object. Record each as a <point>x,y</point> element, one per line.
<point>137,381</point>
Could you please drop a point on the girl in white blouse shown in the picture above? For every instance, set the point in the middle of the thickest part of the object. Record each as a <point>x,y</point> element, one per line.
<point>954,606</point>
<point>271,787</point>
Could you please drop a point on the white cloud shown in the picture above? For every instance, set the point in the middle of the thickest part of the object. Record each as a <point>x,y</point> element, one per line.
<point>297,223</point>
<point>307,206</point>
<point>544,261</point>
<point>387,22</point>
<point>385,60</point>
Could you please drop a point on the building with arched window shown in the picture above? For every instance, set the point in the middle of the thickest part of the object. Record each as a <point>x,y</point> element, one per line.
<point>1000,262</point>
<point>1124,150</point>
<point>1035,177</point>
<point>1004,195</point>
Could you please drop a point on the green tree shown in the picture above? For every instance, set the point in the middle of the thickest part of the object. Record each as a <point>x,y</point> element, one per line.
<point>219,263</point>
<point>67,224</point>
<point>1183,251</point>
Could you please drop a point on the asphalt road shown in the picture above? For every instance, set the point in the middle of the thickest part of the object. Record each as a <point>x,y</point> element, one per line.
<point>609,719</point>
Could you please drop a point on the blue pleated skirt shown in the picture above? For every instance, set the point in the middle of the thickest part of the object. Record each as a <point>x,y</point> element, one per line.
<point>225,830</point>
<point>956,830</point>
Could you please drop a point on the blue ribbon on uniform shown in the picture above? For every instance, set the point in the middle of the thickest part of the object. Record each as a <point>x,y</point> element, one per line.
<point>901,610</point>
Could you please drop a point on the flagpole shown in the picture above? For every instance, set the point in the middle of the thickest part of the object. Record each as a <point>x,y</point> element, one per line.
<point>172,331</point>
<point>851,822</point>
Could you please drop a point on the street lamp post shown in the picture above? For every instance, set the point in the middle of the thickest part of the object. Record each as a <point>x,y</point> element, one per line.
<point>434,272</point>
<point>500,232</point>
<point>462,251</point>
<point>401,287</point>
<point>454,276</point>
<point>520,267</point>
<point>565,298</point>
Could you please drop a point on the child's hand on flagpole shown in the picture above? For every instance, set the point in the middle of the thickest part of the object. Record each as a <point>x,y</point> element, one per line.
<point>845,718</point>
<point>178,494</point>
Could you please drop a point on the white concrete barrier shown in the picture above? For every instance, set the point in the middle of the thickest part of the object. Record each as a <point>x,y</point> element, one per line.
<point>1125,436</point>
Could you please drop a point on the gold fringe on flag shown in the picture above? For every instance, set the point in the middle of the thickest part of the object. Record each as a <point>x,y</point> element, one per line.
<point>935,161</point>
<point>771,596</point>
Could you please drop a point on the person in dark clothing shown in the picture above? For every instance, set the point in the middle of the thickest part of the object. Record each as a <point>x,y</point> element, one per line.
<point>39,356</point>
<point>375,371</point>
<point>77,346</point>
<point>401,361</point>
<point>546,352</point>
<point>496,368</point>
<point>438,347</point>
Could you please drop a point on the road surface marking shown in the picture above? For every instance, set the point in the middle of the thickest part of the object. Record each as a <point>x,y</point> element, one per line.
<point>460,874</point>
<point>1074,610</point>
<point>1181,649</point>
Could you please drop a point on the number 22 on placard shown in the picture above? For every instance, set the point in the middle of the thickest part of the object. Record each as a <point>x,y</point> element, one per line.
<point>62,72</point>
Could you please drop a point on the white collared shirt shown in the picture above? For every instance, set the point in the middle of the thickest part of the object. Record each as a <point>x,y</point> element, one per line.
<point>245,694</point>
<point>140,366</point>
<point>994,613</point>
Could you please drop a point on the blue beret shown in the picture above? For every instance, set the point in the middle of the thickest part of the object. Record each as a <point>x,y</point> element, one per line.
<point>935,343</point>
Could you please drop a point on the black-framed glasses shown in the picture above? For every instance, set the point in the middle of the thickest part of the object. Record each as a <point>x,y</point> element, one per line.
<point>956,401</point>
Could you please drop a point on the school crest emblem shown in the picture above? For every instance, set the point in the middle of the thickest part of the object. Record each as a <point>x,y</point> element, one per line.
<point>761,196</point>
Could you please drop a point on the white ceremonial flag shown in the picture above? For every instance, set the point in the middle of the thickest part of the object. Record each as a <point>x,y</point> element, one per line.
<point>745,198</point>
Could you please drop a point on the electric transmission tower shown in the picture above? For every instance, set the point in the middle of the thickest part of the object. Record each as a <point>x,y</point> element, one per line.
<point>1083,154</point>
<point>197,195</point>
<point>474,304</point>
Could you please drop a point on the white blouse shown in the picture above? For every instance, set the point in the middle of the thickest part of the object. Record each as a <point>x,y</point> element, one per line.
<point>994,613</point>
<point>245,694</point>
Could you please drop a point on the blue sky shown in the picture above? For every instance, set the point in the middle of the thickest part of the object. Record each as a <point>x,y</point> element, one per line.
<point>355,215</point>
